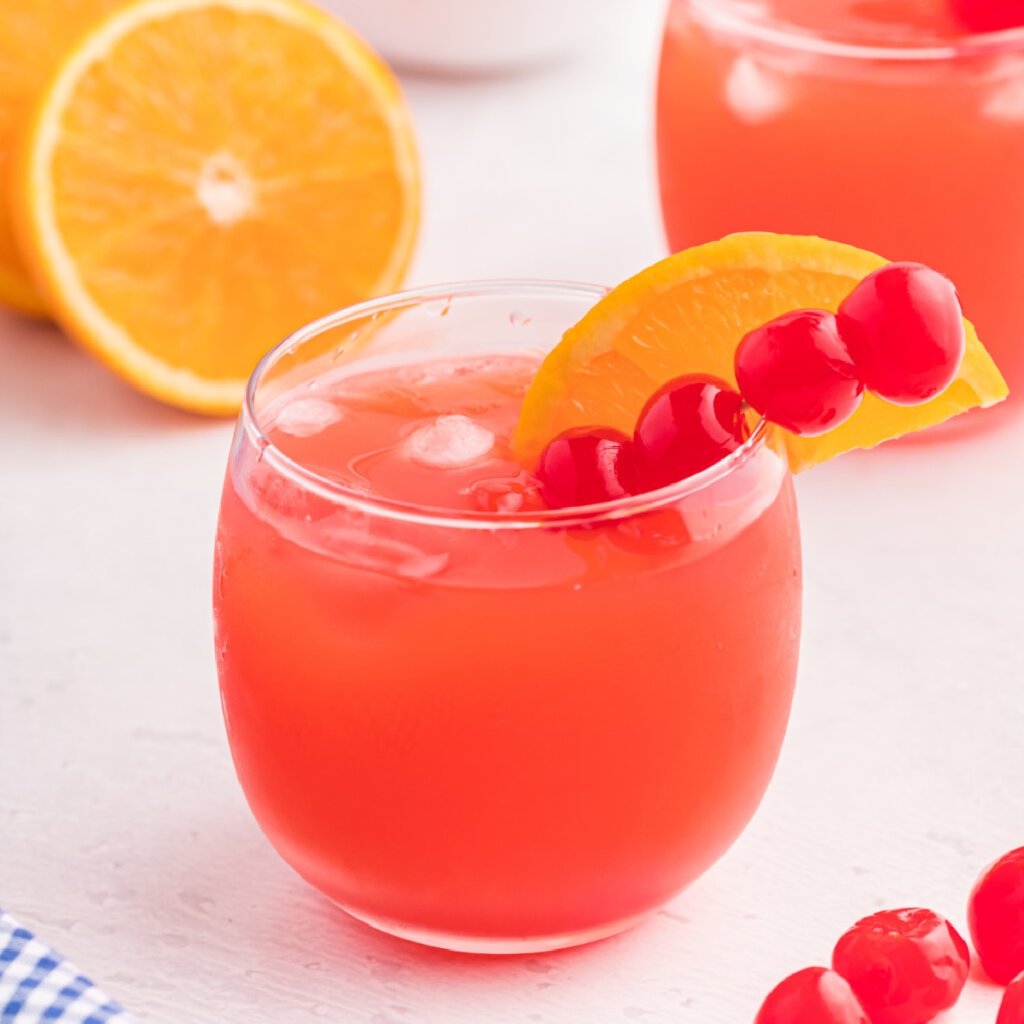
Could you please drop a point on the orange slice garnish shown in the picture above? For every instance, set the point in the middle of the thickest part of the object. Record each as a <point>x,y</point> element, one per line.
<point>201,177</point>
<point>688,313</point>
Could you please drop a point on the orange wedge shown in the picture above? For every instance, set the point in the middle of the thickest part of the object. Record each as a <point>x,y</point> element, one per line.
<point>34,35</point>
<point>688,313</point>
<point>201,177</point>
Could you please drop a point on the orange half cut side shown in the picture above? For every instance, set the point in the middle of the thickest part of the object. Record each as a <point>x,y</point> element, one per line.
<point>202,177</point>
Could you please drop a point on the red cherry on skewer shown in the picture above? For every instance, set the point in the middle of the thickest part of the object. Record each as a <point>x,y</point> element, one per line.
<point>687,425</point>
<point>796,371</point>
<point>906,966</point>
<point>904,330</point>
<point>586,466</point>
<point>995,917</point>
<point>814,995</point>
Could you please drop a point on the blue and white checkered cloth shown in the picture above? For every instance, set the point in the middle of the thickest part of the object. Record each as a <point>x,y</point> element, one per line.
<point>38,986</point>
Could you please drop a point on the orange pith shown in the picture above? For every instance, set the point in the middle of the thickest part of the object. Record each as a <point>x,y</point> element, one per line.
<point>688,313</point>
<point>202,177</point>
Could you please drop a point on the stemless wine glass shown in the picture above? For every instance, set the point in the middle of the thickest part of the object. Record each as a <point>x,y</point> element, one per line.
<point>495,731</point>
<point>808,118</point>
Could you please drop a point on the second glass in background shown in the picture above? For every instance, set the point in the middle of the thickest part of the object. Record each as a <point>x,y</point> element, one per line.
<point>883,128</point>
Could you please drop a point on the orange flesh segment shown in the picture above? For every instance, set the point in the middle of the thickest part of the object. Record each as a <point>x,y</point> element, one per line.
<point>688,313</point>
<point>205,177</point>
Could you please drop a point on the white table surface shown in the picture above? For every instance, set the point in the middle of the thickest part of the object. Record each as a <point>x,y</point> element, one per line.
<point>124,838</point>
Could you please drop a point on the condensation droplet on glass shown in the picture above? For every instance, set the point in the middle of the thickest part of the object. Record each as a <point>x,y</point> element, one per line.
<point>351,340</point>
<point>442,307</point>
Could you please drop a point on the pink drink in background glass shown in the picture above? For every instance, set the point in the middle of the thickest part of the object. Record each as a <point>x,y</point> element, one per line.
<point>883,123</point>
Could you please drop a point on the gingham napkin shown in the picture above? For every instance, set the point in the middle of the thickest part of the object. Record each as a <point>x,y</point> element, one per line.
<point>38,986</point>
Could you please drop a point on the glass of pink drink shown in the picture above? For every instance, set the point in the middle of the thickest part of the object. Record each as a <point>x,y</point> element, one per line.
<point>469,720</point>
<point>886,123</point>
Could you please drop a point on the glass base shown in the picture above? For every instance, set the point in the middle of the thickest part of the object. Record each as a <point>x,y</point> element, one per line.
<point>492,944</point>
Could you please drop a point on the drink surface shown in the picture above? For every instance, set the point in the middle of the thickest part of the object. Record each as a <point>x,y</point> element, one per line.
<point>436,434</point>
<point>913,159</point>
<point>495,738</point>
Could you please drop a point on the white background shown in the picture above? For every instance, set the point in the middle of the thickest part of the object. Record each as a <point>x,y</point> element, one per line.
<point>124,838</point>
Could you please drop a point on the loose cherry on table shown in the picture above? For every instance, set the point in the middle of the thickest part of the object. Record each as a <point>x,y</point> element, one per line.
<point>796,371</point>
<point>995,916</point>
<point>1011,1009</point>
<point>687,425</point>
<point>814,995</point>
<point>586,467</point>
<point>904,331</point>
<point>905,966</point>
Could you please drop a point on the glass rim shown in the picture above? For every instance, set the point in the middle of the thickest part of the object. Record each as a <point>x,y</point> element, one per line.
<point>429,515</point>
<point>784,36</point>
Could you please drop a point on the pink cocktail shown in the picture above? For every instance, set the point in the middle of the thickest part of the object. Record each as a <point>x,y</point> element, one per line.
<point>467,719</point>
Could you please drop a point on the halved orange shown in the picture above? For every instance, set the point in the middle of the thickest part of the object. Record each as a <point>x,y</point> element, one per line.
<point>201,177</point>
<point>33,37</point>
<point>688,313</point>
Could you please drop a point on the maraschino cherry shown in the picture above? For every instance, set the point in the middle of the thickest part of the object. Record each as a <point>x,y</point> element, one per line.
<point>995,916</point>
<point>906,966</point>
<point>904,330</point>
<point>988,15</point>
<point>814,995</point>
<point>1011,1009</point>
<point>585,467</point>
<point>796,371</point>
<point>687,425</point>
